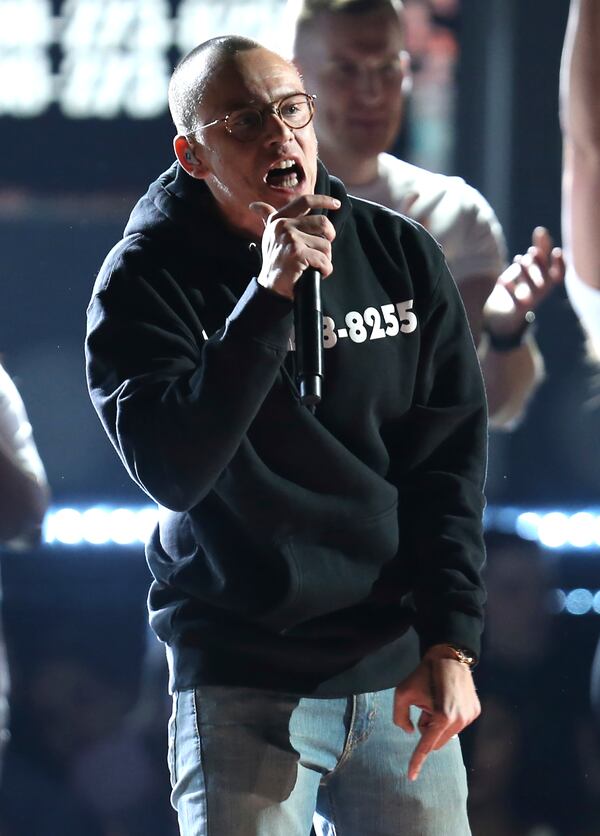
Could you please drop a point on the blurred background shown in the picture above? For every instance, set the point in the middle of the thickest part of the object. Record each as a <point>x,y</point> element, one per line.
<point>84,128</point>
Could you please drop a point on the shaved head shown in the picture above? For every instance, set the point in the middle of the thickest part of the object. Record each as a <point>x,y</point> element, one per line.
<point>227,77</point>
<point>194,73</point>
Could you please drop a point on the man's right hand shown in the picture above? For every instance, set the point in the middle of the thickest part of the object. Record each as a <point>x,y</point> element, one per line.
<point>294,240</point>
<point>443,688</point>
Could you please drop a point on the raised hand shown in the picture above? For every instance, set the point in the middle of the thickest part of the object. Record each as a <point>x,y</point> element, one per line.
<point>524,285</point>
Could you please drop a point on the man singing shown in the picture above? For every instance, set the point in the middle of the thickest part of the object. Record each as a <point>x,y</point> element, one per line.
<point>316,576</point>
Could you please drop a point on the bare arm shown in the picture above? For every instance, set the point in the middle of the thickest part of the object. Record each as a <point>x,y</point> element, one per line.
<point>580,121</point>
<point>24,491</point>
<point>23,504</point>
<point>511,362</point>
<point>510,377</point>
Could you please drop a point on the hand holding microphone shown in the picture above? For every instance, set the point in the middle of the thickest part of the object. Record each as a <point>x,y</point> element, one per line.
<point>296,248</point>
<point>295,237</point>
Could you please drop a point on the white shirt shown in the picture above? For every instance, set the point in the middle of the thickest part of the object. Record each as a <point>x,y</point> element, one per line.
<point>456,214</point>
<point>586,304</point>
<point>17,446</point>
<point>16,437</point>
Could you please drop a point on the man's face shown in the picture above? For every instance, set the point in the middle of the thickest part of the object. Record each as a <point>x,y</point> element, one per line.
<point>238,173</point>
<point>355,65</point>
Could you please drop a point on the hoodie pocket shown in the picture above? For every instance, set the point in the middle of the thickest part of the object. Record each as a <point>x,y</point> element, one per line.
<point>334,571</point>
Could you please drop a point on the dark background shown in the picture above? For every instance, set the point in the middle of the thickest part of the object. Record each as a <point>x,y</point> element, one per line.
<point>75,617</point>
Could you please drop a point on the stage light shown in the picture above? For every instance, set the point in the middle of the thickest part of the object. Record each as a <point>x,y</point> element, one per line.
<point>576,602</point>
<point>527,525</point>
<point>122,527</point>
<point>556,529</point>
<point>579,601</point>
<point>103,525</point>
<point>99,525</point>
<point>94,527</point>
<point>63,526</point>
<point>104,59</point>
<point>145,522</point>
<point>581,529</point>
<point>556,601</point>
<point>552,529</point>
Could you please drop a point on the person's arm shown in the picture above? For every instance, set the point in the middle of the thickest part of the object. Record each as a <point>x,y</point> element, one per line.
<point>511,376</point>
<point>511,362</point>
<point>175,402</point>
<point>24,492</point>
<point>580,123</point>
<point>476,253</point>
<point>442,458</point>
<point>175,405</point>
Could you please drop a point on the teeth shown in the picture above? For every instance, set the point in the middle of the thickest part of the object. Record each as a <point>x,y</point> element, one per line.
<point>286,179</point>
<point>288,182</point>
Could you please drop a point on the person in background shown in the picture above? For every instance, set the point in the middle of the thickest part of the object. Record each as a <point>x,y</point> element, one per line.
<point>24,497</point>
<point>316,575</point>
<point>24,493</point>
<point>351,55</point>
<point>579,99</point>
<point>580,123</point>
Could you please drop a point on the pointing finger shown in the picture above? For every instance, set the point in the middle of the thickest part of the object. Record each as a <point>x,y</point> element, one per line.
<point>426,744</point>
<point>307,203</point>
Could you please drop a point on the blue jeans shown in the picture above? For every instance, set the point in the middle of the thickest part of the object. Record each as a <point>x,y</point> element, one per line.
<point>246,762</point>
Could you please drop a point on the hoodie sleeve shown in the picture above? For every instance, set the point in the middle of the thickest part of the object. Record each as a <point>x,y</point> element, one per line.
<point>439,467</point>
<point>175,403</point>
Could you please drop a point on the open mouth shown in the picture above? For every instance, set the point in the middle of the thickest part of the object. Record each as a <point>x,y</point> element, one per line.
<point>285,174</point>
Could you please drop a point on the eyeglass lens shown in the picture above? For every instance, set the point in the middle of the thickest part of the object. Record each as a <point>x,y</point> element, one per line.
<point>295,110</point>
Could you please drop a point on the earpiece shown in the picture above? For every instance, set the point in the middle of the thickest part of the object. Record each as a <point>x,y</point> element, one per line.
<point>407,79</point>
<point>188,156</point>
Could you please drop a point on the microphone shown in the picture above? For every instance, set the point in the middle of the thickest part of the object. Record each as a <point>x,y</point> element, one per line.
<point>308,326</point>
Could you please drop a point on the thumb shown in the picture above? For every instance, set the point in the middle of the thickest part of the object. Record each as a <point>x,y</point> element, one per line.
<point>264,210</point>
<point>402,712</point>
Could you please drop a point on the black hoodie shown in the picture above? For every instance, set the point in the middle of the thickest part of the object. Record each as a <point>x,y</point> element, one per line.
<point>294,551</point>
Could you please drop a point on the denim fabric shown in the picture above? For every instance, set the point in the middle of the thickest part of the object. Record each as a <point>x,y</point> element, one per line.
<point>246,762</point>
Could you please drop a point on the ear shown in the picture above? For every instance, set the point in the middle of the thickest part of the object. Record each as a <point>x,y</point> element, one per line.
<point>407,77</point>
<point>188,157</point>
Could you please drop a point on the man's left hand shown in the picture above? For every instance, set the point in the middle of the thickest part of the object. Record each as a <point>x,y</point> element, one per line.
<point>443,688</point>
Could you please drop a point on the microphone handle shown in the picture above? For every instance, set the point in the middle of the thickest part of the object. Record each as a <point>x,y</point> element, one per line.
<point>308,325</point>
